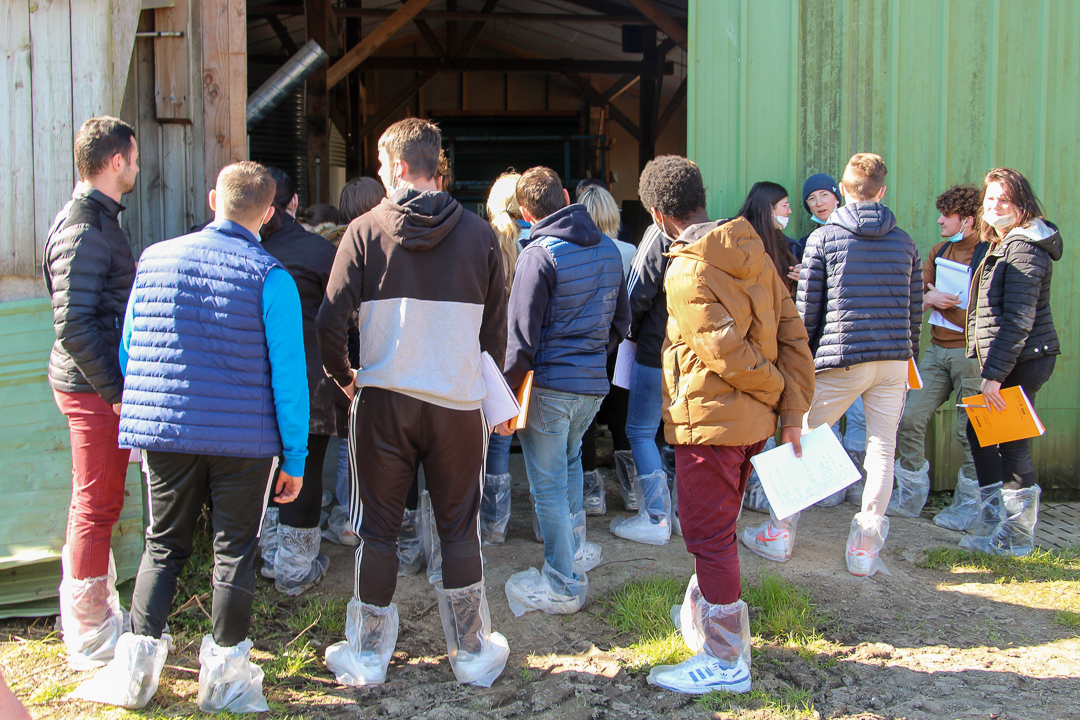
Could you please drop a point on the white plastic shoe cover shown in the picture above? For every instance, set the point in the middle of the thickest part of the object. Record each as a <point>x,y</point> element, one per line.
<point>298,566</point>
<point>652,524</point>
<point>412,543</point>
<point>774,539</point>
<point>964,509</point>
<point>1015,534</point>
<point>432,545</point>
<point>90,615</point>
<point>854,492</point>
<point>587,555</point>
<point>685,613</point>
<point>268,541</point>
<point>754,498</point>
<point>547,590</point>
<point>495,509</point>
<point>477,654</point>
<point>864,544</point>
<point>339,528</point>
<point>676,526</point>
<point>625,471</point>
<point>370,638</point>
<point>595,497</point>
<point>228,681</point>
<point>910,489</point>
<point>131,677</point>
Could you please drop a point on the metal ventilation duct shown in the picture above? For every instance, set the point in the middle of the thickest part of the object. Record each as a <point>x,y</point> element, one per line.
<point>306,60</point>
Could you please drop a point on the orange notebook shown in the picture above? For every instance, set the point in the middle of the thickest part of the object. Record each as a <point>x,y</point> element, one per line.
<point>1017,422</point>
<point>914,378</point>
<point>523,395</point>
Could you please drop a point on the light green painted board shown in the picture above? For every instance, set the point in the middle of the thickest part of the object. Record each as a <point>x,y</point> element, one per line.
<point>36,458</point>
<point>944,90</point>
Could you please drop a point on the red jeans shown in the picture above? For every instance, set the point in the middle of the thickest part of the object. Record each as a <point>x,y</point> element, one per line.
<point>98,472</point>
<point>711,480</point>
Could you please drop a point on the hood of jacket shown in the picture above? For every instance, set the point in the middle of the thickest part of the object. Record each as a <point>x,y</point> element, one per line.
<point>572,224</point>
<point>1040,233</point>
<point>730,246</point>
<point>418,220</point>
<point>867,220</point>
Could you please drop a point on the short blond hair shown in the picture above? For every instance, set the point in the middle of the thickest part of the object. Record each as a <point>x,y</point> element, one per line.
<point>864,176</point>
<point>602,209</point>
<point>244,191</point>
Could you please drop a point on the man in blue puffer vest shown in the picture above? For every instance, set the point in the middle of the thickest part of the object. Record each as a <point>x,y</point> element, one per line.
<point>215,391</point>
<point>568,308</point>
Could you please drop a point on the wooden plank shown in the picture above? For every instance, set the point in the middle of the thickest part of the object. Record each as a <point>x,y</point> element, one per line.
<point>596,97</point>
<point>237,10</point>
<point>175,186</point>
<point>318,108</point>
<point>216,85</point>
<point>677,101</point>
<point>148,188</point>
<point>662,20</point>
<point>392,106</point>
<point>172,72</point>
<point>374,40</point>
<point>53,136</point>
<point>16,126</point>
<point>125,20</point>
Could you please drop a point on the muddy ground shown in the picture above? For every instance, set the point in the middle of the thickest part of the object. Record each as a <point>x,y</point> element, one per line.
<point>917,644</point>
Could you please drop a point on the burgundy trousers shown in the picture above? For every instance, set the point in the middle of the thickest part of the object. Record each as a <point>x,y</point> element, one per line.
<point>711,481</point>
<point>98,471</point>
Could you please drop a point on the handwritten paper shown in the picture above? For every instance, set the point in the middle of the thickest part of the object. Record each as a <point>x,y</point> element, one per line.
<point>499,402</point>
<point>955,279</point>
<point>792,483</point>
<point>624,364</point>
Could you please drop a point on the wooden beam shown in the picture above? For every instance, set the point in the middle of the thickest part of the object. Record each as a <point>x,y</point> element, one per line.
<point>429,37</point>
<point>597,98</point>
<point>482,16</point>
<point>371,43</point>
<point>318,108</point>
<point>172,71</point>
<point>662,20</point>
<point>677,101</point>
<point>475,30</point>
<point>620,86</point>
<point>224,75</point>
<point>394,104</point>
<point>557,66</point>
<point>283,34</point>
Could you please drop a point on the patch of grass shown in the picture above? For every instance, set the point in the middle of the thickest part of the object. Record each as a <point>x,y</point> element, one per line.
<point>51,692</point>
<point>525,674</point>
<point>1039,566</point>
<point>643,609</point>
<point>1067,618</point>
<point>791,703</point>
<point>785,614</point>
<point>297,660</point>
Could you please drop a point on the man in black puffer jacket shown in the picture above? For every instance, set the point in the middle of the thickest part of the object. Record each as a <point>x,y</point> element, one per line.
<point>89,269</point>
<point>860,297</point>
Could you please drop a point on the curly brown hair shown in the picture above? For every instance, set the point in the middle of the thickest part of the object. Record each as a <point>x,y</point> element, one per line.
<point>962,200</point>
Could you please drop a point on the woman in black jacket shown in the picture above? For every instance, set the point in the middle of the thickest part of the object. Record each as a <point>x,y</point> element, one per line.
<point>1010,329</point>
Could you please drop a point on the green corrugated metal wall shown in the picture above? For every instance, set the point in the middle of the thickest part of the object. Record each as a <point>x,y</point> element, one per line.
<point>942,89</point>
<point>35,456</point>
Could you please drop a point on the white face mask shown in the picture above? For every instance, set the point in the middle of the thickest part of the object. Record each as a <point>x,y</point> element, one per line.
<point>781,221</point>
<point>993,219</point>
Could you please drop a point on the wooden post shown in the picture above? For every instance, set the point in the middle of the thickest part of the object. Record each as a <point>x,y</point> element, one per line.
<point>318,108</point>
<point>648,104</point>
<point>172,69</point>
<point>224,77</point>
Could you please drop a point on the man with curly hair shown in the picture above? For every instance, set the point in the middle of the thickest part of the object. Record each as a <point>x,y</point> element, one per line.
<point>945,368</point>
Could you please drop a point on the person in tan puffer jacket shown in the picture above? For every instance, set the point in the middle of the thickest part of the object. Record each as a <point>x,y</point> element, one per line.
<point>736,360</point>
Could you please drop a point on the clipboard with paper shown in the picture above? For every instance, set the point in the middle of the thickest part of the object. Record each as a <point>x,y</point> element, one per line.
<point>792,483</point>
<point>953,278</point>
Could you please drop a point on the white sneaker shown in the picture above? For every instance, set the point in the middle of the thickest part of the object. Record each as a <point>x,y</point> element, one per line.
<point>641,529</point>
<point>860,562</point>
<point>702,674</point>
<point>768,542</point>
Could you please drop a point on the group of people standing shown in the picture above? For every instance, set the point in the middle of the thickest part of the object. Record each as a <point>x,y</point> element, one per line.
<point>232,354</point>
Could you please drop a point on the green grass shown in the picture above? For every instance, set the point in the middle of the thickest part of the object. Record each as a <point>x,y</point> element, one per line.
<point>792,704</point>
<point>643,609</point>
<point>1039,566</point>
<point>297,660</point>
<point>1067,618</point>
<point>785,614</point>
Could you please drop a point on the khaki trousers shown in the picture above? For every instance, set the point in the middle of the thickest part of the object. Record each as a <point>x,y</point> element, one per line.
<point>883,387</point>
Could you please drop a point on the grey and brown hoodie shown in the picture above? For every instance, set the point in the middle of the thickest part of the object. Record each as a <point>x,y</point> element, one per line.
<point>427,278</point>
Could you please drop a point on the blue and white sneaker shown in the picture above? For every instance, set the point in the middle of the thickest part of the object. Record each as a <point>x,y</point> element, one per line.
<point>702,674</point>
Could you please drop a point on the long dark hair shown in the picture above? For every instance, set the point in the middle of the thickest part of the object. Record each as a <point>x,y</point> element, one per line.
<point>758,209</point>
<point>282,197</point>
<point>1019,193</point>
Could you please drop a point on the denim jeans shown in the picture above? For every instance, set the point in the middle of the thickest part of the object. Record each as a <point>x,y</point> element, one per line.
<point>551,444</point>
<point>498,454</point>
<point>643,417</point>
<point>855,430</point>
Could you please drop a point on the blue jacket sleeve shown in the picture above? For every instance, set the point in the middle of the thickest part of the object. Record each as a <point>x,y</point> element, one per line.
<point>534,281</point>
<point>288,368</point>
<point>125,335</point>
<point>812,294</point>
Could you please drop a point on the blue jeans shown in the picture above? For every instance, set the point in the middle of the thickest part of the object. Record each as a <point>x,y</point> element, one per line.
<point>855,431</point>
<point>551,444</point>
<point>643,415</point>
<point>498,454</point>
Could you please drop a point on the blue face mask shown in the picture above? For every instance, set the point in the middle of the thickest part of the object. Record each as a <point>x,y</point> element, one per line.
<point>818,220</point>
<point>957,237</point>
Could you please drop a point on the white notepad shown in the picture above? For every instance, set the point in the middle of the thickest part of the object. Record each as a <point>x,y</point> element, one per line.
<point>792,483</point>
<point>953,278</point>
<point>499,403</point>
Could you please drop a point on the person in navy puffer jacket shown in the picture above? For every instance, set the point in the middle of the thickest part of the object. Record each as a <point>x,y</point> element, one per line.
<point>860,297</point>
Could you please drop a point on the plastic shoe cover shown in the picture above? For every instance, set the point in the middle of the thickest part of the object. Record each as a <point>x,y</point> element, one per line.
<point>667,460</point>
<point>131,677</point>
<point>964,509</point>
<point>754,498</point>
<point>536,520</point>
<point>90,615</point>
<point>430,533</point>
<point>339,528</point>
<point>587,555</point>
<point>411,550</point>
<point>774,539</point>
<point>854,492</point>
<point>910,489</point>
<point>864,544</point>
<point>720,635</point>
<point>625,472</point>
<point>1015,534</point>
<point>327,498</point>
<point>370,638</point>
<point>495,509</point>
<point>676,526</point>
<point>833,500</point>
<point>991,511</point>
<point>547,590</point>
<point>228,681</point>
<point>652,524</point>
<point>595,500</point>
<point>477,654</point>
<point>268,541</point>
<point>299,566</point>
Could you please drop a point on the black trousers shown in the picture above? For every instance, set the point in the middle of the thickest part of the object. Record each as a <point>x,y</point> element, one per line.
<point>305,510</point>
<point>1011,462</point>
<point>389,435</point>
<point>179,487</point>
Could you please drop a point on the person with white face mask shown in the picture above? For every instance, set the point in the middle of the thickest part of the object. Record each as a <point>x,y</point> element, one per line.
<point>1010,332</point>
<point>945,368</point>
<point>768,210</point>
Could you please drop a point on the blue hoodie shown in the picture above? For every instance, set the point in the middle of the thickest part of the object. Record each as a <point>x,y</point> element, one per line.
<point>568,307</point>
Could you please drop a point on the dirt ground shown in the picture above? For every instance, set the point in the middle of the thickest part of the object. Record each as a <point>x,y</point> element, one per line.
<point>917,644</point>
